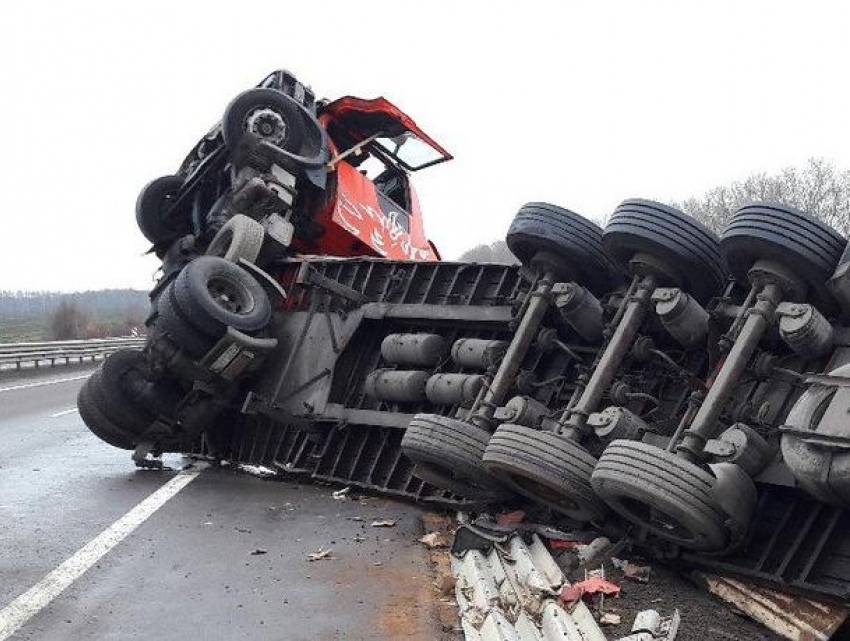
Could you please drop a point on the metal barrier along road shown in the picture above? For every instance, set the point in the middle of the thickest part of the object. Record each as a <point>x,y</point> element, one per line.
<point>52,351</point>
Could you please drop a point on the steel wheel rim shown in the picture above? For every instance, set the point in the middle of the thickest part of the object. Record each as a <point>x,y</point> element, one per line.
<point>544,492</point>
<point>230,295</point>
<point>658,521</point>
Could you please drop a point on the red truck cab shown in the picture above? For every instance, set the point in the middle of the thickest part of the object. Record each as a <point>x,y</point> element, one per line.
<point>371,207</point>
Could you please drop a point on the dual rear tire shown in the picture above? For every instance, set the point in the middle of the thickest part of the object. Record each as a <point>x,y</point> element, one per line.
<point>117,403</point>
<point>448,453</point>
<point>546,468</point>
<point>209,295</point>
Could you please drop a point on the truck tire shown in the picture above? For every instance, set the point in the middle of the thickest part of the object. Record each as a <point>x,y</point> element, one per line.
<point>175,324</point>
<point>151,206</point>
<point>546,468</point>
<point>809,247</point>
<point>240,237</point>
<point>213,293</point>
<point>435,477</point>
<point>98,423</point>
<point>112,388</point>
<point>452,449</point>
<point>542,227</point>
<point>662,494</point>
<point>282,117</point>
<point>648,227</point>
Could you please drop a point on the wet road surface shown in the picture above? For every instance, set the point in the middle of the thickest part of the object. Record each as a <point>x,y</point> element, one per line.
<point>225,557</point>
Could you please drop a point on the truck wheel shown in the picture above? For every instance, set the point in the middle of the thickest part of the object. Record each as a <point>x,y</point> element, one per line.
<point>266,113</point>
<point>545,467</point>
<point>116,389</point>
<point>97,422</point>
<point>809,247</point>
<point>435,477</point>
<point>452,449</point>
<point>239,237</point>
<point>541,227</point>
<point>647,227</point>
<point>151,206</point>
<point>185,335</point>
<point>661,493</point>
<point>213,293</point>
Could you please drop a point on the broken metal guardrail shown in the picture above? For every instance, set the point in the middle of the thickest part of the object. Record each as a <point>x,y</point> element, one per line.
<point>57,351</point>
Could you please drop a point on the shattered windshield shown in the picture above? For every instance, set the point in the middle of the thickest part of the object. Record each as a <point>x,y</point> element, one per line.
<point>410,150</point>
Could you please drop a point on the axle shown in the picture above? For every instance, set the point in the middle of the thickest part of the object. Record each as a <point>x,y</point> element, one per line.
<point>575,420</point>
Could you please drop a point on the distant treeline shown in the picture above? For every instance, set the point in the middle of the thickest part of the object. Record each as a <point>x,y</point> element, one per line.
<point>33,316</point>
<point>104,302</point>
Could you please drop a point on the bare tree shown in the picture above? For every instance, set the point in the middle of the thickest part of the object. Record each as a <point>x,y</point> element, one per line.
<point>817,188</point>
<point>68,321</point>
<point>495,252</point>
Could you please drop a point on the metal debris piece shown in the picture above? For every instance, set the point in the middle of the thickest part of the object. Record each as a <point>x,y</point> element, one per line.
<point>632,571</point>
<point>649,625</point>
<point>341,495</point>
<point>319,555</point>
<point>790,616</point>
<point>594,551</point>
<point>384,523</point>
<point>512,592</point>
<point>258,551</point>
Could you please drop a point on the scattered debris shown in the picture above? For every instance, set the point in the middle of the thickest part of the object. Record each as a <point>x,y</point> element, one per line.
<point>632,571</point>
<point>446,584</point>
<point>384,523</point>
<point>511,592</point>
<point>791,616</point>
<point>610,618</point>
<point>441,567</point>
<point>256,470</point>
<point>649,625</point>
<point>435,540</point>
<point>242,530</point>
<point>319,554</point>
<point>341,495</point>
<point>593,552</point>
<point>561,544</point>
<point>571,594</point>
<point>473,537</point>
<point>257,551</point>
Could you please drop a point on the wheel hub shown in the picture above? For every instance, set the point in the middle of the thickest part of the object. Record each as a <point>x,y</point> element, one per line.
<point>267,124</point>
<point>229,296</point>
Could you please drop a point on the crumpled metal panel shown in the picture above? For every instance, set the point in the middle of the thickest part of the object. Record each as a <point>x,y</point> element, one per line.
<point>512,593</point>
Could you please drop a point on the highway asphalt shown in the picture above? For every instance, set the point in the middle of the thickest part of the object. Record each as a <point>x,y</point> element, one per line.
<point>214,554</point>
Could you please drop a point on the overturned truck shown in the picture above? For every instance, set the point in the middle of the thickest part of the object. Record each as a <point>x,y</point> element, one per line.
<point>689,391</point>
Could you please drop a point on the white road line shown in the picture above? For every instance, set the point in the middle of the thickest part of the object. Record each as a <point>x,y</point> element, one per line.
<point>18,612</point>
<point>64,412</point>
<point>52,381</point>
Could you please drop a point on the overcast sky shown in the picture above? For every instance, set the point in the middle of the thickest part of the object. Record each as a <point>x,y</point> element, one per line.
<point>581,104</point>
